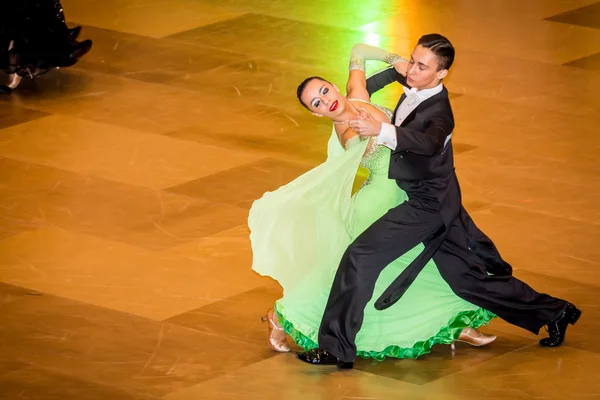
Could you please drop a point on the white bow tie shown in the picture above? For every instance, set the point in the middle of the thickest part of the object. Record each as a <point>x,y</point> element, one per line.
<point>411,96</point>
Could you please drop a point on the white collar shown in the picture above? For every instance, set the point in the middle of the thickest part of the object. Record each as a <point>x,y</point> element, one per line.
<point>424,94</point>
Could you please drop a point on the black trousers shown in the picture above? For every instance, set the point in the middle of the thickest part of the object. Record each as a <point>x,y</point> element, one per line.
<point>462,266</point>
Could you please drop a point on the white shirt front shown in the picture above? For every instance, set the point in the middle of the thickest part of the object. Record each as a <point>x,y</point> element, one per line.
<point>414,97</point>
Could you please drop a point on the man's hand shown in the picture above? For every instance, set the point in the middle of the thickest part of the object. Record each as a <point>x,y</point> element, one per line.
<point>365,125</point>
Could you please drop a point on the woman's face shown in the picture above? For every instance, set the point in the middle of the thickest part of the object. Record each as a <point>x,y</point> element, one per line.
<point>323,98</point>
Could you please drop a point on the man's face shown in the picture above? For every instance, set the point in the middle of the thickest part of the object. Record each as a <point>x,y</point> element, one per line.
<point>423,69</point>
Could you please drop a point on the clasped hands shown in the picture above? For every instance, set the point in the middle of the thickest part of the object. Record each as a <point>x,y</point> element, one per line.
<point>365,124</point>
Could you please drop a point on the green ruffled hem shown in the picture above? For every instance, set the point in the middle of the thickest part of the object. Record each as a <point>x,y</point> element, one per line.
<point>446,335</point>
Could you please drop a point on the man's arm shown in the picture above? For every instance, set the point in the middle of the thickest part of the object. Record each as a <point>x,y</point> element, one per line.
<point>383,78</point>
<point>427,143</point>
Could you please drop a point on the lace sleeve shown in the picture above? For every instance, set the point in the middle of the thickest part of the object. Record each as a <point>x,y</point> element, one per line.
<point>362,52</point>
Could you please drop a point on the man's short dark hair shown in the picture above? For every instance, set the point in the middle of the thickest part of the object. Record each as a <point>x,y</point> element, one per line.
<point>441,47</point>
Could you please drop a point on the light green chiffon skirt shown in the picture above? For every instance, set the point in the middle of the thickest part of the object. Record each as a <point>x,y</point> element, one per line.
<point>299,233</point>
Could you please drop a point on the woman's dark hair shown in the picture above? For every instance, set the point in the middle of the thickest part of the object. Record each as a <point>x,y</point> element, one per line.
<point>302,86</point>
<point>441,47</point>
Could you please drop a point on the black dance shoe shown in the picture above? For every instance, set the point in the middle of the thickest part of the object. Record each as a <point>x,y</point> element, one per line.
<point>80,49</point>
<point>323,357</point>
<point>73,34</point>
<point>558,328</point>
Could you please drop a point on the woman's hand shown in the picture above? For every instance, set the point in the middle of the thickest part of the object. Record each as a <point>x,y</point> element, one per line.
<point>365,124</point>
<point>401,67</point>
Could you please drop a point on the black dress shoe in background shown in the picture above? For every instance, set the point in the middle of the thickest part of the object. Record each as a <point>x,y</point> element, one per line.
<point>558,328</point>
<point>80,49</point>
<point>323,357</point>
<point>74,33</point>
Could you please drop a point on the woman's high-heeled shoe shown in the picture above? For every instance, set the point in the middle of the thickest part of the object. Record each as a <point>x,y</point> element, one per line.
<point>474,338</point>
<point>14,81</point>
<point>276,337</point>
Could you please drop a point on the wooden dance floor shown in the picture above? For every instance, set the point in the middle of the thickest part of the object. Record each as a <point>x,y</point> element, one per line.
<point>125,183</point>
